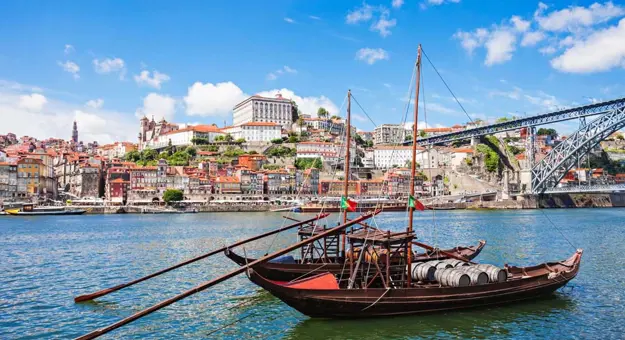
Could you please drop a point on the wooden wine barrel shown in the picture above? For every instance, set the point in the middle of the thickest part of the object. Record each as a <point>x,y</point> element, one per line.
<point>495,274</point>
<point>455,263</point>
<point>423,271</point>
<point>451,277</point>
<point>477,276</point>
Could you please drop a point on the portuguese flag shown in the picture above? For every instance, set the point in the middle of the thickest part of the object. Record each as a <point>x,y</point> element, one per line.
<point>348,204</point>
<point>414,203</point>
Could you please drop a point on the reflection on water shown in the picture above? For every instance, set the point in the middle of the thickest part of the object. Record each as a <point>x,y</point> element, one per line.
<point>46,261</point>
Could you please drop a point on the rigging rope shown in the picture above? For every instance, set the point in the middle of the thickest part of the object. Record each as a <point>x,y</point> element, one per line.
<point>556,227</point>
<point>447,86</point>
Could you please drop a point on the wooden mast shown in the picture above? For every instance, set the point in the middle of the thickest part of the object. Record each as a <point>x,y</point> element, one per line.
<point>346,167</point>
<point>413,168</point>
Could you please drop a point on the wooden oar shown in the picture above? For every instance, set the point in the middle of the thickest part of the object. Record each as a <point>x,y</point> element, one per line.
<point>448,254</point>
<point>103,292</point>
<point>222,278</point>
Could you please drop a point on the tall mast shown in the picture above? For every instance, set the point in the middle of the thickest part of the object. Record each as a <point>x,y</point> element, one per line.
<point>348,127</point>
<point>346,167</point>
<point>413,169</point>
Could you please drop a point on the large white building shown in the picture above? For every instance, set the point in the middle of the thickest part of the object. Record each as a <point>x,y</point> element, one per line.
<point>261,109</point>
<point>389,134</point>
<point>255,131</point>
<point>184,136</point>
<point>388,156</point>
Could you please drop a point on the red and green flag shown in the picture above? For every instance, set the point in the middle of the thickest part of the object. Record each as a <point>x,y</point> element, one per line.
<point>348,204</point>
<point>414,203</point>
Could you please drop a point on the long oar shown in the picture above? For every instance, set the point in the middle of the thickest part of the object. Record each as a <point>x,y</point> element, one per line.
<point>448,254</point>
<point>103,292</point>
<point>213,282</point>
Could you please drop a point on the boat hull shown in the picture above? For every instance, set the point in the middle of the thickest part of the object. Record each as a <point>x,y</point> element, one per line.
<point>374,302</point>
<point>45,213</point>
<point>331,209</point>
<point>293,271</point>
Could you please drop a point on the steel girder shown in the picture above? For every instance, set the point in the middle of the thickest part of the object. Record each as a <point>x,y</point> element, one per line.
<point>546,118</point>
<point>610,188</point>
<point>562,158</point>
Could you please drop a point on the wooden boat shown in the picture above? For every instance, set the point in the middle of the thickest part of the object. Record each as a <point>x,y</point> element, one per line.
<point>320,296</point>
<point>297,270</point>
<point>364,205</point>
<point>31,210</point>
<point>435,207</point>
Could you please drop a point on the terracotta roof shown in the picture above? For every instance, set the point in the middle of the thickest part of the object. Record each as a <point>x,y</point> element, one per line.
<point>196,128</point>
<point>457,126</point>
<point>227,180</point>
<point>463,150</point>
<point>119,180</point>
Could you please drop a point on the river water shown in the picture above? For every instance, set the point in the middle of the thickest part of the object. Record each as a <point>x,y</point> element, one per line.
<point>46,261</point>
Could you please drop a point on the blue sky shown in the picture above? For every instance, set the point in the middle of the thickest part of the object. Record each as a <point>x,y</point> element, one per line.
<point>106,62</point>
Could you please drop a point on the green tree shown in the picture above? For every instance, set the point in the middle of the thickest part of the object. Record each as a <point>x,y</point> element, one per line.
<point>253,152</point>
<point>133,156</point>
<point>408,137</point>
<point>359,140</point>
<point>228,138</point>
<point>547,132</point>
<point>191,151</point>
<point>219,138</point>
<point>172,195</point>
<point>295,112</point>
<point>423,134</point>
<point>308,163</point>
<point>335,117</point>
<point>149,155</point>
<point>322,113</point>
<point>620,137</point>
<point>276,141</point>
<point>199,141</point>
<point>502,120</point>
<point>163,155</point>
<point>213,148</point>
<point>293,139</point>
<point>240,140</point>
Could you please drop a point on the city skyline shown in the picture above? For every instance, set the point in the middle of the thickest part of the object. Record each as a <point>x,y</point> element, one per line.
<point>514,58</point>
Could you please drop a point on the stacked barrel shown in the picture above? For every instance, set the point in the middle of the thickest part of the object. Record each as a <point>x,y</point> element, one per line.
<point>455,273</point>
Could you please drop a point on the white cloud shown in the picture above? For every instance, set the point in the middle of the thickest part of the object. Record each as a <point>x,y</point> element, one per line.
<point>110,66</point>
<point>600,51</point>
<point>68,49</point>
<point>212,99</point>
<point>520,24</point>
<point>547,50</point>
<point>289,20</point>
<point>472,40</point>
<point>435,107</point>
<point>155,81</point>
<point>370,55</point>
<point>95,103</point>
<point>70,67</point>
<point>33,102</point>
<point>384,24</point>
<point>54,119</point>
<point>577,17</point>
<point>387,85</point>
<point>437,2</point>
<point>364,13</point>
<point>157,105</point>
<point>397,3</point>
<point>314,17</point>
<point>308,105</point>
<point>532,38</point>
<point>514,94</point>
<point>285,69</point>
<point>499,47</point>
<point>359,118</point>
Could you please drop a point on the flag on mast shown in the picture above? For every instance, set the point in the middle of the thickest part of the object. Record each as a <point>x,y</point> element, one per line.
<point>348,204</point>
<point>414,203</point>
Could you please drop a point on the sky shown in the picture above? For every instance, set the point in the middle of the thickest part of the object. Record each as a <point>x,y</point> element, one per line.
<point>107,63</point>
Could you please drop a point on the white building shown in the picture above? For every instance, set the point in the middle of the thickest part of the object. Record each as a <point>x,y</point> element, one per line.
<point>116,150</point>
<point>459,156</point>
<point>369,160</point>
<point>260,109</point>
<point>328,152</point>
<point>388,156</point>
<point>389,134</point>
<point>255,131</point>
<point>185,136</point>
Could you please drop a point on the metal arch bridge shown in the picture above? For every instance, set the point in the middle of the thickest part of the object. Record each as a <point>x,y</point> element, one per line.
<point>547,173</point>
<point>574,189</point>
<point>541,119</point>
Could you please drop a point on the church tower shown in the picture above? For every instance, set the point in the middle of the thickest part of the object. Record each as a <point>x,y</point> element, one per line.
<point>75,133</point>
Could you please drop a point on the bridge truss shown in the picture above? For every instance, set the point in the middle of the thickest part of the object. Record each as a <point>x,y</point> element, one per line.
<point>541,119</point>
<point>548,172</point>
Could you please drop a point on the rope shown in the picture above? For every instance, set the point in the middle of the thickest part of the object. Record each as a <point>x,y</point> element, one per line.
<point>230,324</point>
<point>376,301</point>
<point>447,86</point>
<point>558,229</point>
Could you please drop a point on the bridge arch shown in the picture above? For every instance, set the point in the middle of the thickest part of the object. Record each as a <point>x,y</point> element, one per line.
<point>548,172</point>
